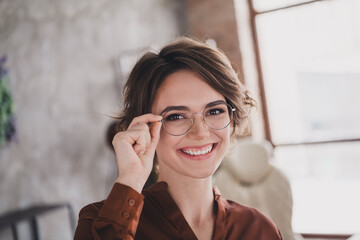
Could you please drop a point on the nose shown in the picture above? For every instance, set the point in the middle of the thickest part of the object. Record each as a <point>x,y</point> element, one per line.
<point>199,129</point>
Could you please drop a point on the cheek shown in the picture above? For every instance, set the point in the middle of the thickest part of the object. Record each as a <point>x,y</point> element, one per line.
<point>165,144</point>
<point>164,139</point>
<point>225,137</point>
<point>226,134</point>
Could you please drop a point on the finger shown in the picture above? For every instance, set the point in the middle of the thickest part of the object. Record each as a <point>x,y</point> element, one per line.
<point>139,149</point>
<point>137,130</point>
<point>146,118</point>
<point>137,138</point>
<point>155,136</point>
<point>142,140</point>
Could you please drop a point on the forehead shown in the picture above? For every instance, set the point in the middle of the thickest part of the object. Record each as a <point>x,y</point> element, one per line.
<point>184,88</point>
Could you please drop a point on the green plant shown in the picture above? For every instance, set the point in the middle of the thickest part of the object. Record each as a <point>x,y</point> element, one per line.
<point>7,119</point>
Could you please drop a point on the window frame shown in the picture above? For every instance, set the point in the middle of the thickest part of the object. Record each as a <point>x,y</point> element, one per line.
<point>260,79</point>
<point>253,13</point>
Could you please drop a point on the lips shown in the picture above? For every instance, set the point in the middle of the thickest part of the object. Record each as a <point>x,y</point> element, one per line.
<point>198,151</point>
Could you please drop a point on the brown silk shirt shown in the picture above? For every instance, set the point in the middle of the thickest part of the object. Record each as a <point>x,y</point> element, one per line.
<point>126,214</point>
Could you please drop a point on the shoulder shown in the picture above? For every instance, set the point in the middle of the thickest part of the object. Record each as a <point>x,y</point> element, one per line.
<point>90,211</point>
<point>236,210</point>
<point>117,201</point>
<point>249,220</point>
<point>87,216</point>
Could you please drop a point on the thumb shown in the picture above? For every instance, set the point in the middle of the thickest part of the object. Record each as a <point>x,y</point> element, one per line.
<point>155,136</point>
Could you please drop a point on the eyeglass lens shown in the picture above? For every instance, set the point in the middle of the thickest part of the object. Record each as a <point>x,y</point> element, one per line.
<point>178,122</point>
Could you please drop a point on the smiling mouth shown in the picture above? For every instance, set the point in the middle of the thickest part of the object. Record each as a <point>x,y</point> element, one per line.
<point>198,151</point>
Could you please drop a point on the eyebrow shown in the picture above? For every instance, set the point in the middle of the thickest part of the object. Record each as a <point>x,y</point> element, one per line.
<point>171,108</point>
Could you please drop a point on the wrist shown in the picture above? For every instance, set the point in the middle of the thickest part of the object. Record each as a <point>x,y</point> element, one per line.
<point>131,182</point>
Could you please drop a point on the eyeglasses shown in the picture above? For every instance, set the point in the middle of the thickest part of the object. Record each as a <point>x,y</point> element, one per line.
<point>179,122</point>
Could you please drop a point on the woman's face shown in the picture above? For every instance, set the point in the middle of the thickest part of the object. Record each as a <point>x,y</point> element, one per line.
<point>188,154</point>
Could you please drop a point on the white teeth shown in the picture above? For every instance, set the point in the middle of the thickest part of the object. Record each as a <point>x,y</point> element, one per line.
<point>196,153</point>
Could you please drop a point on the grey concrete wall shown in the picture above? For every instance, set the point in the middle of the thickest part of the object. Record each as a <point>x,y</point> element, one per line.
<point>61,58</point>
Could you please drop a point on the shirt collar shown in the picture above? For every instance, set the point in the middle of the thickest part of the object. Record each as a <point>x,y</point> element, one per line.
<point>159,195</point>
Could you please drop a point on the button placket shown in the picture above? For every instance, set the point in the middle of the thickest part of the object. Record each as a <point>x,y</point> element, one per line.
<point>131,202</point>
<point>125,214</point>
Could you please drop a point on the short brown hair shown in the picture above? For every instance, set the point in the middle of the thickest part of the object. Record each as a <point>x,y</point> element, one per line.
<point>184,54</point>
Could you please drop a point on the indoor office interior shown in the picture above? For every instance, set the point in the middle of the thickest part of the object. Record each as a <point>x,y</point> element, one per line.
<point>63,65</point>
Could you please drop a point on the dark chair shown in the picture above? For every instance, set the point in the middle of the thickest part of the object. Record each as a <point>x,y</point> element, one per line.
<point>11,219</point>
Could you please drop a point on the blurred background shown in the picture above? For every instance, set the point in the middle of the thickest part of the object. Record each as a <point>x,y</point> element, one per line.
<point>63,64</point>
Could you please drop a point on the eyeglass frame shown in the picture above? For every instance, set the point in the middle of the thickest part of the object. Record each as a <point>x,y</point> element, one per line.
<point>232,110</point>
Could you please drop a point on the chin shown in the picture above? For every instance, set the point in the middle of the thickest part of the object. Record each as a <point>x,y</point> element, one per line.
<point>203,173</point>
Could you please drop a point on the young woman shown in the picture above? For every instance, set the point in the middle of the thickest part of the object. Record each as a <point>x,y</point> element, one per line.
<point>182,108</point>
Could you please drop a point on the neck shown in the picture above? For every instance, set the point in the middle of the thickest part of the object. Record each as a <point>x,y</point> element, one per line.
<point>184,191</point>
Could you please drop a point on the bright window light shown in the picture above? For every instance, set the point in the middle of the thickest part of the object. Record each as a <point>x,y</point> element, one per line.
<point>310,63</point>
<point>311,67</point>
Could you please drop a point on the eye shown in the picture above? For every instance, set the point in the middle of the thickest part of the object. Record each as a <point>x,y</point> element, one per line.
<point>215,111</point>
<point>174,117</point>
